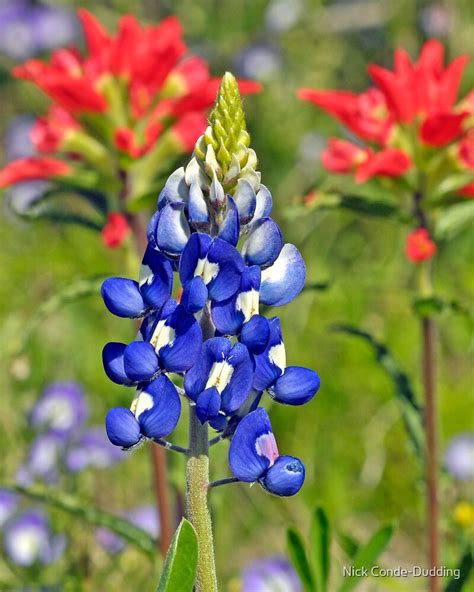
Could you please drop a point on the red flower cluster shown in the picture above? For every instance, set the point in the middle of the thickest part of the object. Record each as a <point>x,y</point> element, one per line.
<point>134,100</point>
<point>116,231</point>
<point>419,246</point>
<point>410,109</point>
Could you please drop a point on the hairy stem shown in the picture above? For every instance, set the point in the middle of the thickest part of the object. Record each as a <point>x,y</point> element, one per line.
<point>197,482</point>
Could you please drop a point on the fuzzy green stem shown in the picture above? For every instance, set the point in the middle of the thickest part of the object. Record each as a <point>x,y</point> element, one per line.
<point>197,482</point>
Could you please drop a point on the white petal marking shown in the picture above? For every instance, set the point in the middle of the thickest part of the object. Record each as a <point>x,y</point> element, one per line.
<point>277,356</point>
<point>220,375</point>
<point>162,335</point>
<point>142,402</point>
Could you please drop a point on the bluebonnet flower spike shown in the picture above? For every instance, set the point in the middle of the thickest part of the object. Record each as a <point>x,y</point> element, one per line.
<point>212,229</point>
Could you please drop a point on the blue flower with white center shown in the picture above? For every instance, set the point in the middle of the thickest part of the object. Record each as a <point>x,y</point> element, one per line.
<point>61,409</point>
<point>221,379</point>
<point>130,299</point>
<point>28,540</point>
<point>209,269</point>
<point>292,385</point>
<point>154,413</point>
<point>254,456</point>
<point>272,574</point>
<point>171,342</point>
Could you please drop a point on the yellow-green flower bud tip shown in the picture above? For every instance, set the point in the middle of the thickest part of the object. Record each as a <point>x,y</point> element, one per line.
<point>226,132</point>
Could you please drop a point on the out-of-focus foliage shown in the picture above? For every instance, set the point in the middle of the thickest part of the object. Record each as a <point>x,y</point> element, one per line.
<point>351,435</point>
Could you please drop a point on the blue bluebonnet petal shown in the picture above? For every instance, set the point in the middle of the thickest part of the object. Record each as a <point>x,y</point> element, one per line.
<point>208,404</point>
<point>156,278</point>
<point>253,447</point>
<point>218,423</point>
<point>270,364</point>
<point>230,266</point>
<point>198,212</point>
<point>245,200</point>
<point>181,352</point>
<point>151,230</point>
<point>140,361</point>
<point>112,358</point>
<point>239,384</point>
<point>193,255</point>
<point>263,244</point>
<point>216,193</point>
<point>229,315</point>
<point>123,298</point>
<point>230,227</point>
<point>264,204</point>
<point>296,386</point>
<point>284,280</point>
<point>226,317</point>
<point>172,229</point>
<point>122,427</point>
<point>285,477</point>
<point>213,350</point>
<point>255,334</point>
<point>175,189</point>
<point>157,408</point>
<point>194,295</point>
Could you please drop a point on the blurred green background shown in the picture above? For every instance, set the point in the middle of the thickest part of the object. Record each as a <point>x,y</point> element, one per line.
<point>350,437</point>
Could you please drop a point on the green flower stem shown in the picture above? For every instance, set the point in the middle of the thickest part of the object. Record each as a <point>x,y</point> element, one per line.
<point>197,484</point>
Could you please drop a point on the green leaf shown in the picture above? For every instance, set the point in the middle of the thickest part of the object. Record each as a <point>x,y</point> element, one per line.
<point>412,413</point>
<point>370,206</point>
<point>450,184</point>
<point>297,554</point>
<point>425,307</point>
<point>80,509</point>
<point>321,541</point>
<point>72,292</point>
<point>348,544</point>
<point>179,571</point>
<point>454,220</point>
<point>465,567</point>
<point>368,555</point>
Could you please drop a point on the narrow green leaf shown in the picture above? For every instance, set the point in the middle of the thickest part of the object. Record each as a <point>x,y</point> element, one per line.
<point>348,544</point>
<point>412,413</point>
<point>454,220</point>
<point>60,217</point>
<point>369,206</point>
<point>179,571</point>
<point>317,286</point>
<point>450,184</point>
<point>80,509</point>
<point>297,554</point>
<point>465,567</point>
<point>425,307</point>
<point>321,541</point>
<point>367,556</point>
